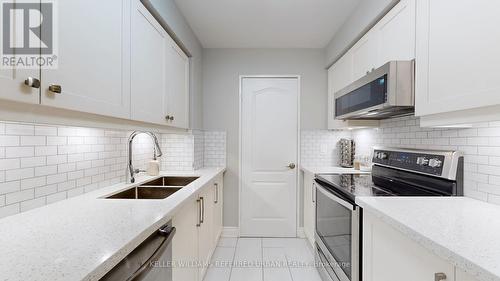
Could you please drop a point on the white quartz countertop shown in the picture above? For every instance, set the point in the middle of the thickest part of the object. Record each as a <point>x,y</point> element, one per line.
<point>82,238</point>
<point>330,170</point>
<point>463,231</point>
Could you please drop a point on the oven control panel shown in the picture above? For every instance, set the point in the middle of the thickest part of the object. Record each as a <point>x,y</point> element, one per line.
<point>419,162</point>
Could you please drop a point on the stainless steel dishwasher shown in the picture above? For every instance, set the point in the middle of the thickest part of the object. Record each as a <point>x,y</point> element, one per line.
<point>150,261</point>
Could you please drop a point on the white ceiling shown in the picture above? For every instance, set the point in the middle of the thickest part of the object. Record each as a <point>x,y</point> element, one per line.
<point>265,23</point>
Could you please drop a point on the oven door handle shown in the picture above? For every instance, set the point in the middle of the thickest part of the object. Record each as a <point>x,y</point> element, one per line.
<point>335,198</point>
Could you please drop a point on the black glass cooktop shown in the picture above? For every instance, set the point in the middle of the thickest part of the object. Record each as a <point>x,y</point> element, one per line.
<point>352,185</point>
<point>348,186</point>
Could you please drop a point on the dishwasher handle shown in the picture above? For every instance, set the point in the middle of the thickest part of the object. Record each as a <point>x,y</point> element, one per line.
<point>168,231</point>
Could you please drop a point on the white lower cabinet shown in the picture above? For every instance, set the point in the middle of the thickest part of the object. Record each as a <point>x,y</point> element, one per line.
<point>218,190</point>
<point>389,255</point>
<point>309,206</point>
<point>184,244</point>
<point>198,224</point>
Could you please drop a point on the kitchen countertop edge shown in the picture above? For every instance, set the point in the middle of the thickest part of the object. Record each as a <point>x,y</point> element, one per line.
<point>458,260</point>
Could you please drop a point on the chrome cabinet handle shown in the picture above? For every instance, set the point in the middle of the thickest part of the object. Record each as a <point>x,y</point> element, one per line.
<point>55,88</point>
<point>312,193</point>
<point>202,210</point>
<point>216,193</point>
<point>291,166</point>
<point>440,276</point>
<point>199,212</point>
<point>32,82</point>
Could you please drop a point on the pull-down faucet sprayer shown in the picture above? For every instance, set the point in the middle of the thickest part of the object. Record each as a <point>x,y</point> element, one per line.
<point>156,152</point>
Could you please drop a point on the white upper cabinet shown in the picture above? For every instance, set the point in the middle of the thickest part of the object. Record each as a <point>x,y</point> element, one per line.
<point>457,59</point>
<point>94,58</point>
<point>396,34</point>
<point>160,73</point>
<point>364,55</point>
<point>178,87</point>
<point>150,58</point>
<point>392,38</point>
<point>12,85</point>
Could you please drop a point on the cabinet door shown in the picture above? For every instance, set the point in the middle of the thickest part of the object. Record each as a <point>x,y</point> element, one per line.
<point>149,81</point>
<point>185,243</point>
<point>457,55</point>
<point>396,34</point>
<point>205,231</point>
<point>339,77</point>
<point>178,87</point>
<point>94,58</point>
<point>364,55</point>
<point>391,256</point>
<point>309,206</point>
<point>218,209</point>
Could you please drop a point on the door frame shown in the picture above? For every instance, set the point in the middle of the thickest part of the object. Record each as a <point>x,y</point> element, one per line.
<point>240,148</point>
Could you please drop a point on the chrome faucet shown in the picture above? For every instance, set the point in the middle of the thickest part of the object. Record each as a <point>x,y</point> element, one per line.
<point>156,152</point>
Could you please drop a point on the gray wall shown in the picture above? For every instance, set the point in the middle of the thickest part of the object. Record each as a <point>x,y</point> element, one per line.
<point>171,14</point>
<point>221,71</point>
<point>363,18</point>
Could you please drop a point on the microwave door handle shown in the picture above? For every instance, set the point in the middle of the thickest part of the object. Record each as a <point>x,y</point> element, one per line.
<point>335,198</point>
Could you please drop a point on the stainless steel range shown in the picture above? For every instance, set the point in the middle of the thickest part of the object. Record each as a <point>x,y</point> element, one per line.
<point>396,172</point>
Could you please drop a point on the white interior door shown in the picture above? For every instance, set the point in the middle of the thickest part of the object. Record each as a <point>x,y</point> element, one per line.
<point>269,137</point>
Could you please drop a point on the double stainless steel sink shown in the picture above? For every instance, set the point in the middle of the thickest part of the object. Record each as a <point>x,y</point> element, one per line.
<point>159,188</point>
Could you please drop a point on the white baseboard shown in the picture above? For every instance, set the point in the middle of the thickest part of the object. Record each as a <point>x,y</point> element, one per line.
<point>231,232</point>
<point>301,233</point>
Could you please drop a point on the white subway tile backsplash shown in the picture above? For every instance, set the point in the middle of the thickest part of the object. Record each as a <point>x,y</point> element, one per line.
<point>18,174</point>
<point>32,204</point>
<point>33,162</point>
<point>320,147</point>
<point>19,196</point>
<point>19,129</point>
<point>45,150</point>
<point>480,144</point>
<point>42,164</point>
<point>9,210</point>
<point>33,140</point>
<point>9,140</point>
<point>45,131</point>
<point>8,187</point>
<point>8,164</point>
<point>16,152</point>
<point>215,149</point>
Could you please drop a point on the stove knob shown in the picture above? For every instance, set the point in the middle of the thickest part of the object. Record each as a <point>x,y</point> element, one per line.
<point>422,161</point>
<point>435,163</point>
<point>382,155</point>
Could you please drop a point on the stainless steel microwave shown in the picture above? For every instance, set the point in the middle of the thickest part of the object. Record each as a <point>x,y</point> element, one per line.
<point>385,92</point>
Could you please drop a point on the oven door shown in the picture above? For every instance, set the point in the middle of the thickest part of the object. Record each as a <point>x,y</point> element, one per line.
<point>337,235</point>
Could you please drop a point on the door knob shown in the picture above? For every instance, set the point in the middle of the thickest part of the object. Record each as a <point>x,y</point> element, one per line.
<point>440,276</point>
<point>55,88</point>
<point>32,82</point>
<point>291,166</point>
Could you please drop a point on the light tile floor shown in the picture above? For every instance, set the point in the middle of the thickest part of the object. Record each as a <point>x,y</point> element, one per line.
<point>262,259</point>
